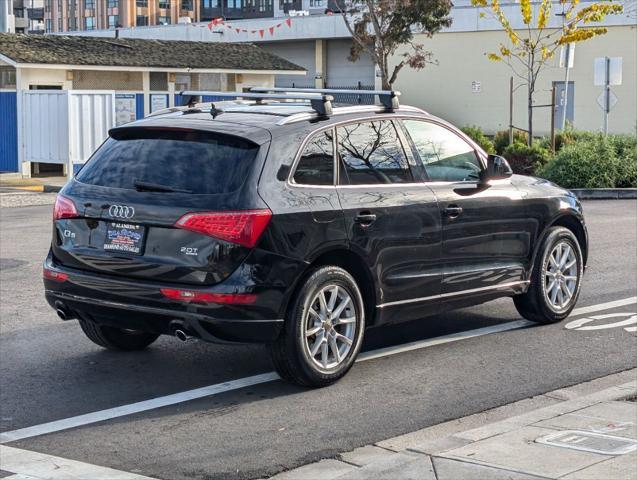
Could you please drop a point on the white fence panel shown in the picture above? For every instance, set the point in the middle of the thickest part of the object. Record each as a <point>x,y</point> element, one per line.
<point>91,115</point>
<point>45,126</point>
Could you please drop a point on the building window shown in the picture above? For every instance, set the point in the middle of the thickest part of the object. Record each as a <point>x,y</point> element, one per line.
<point>316,3</point>
<point>141,20</point>
<point>186,4</point>
<point>60,26</point>
<point>18,12</point>
<point>72,24</point>
<point>47,25</point>
<point>164,3</point>
<point>113,20</point>
<point>89,23</point>
<point>163,20</point>
<point>234,3</point>
<point>89,4</point>
<point>142,3</point>
<point>213,3</point>
<point>113,3</point>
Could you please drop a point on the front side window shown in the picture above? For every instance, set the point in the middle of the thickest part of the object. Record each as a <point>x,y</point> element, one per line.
<point>445,156</point>
<point>371,153</point>
<point>316,165</point>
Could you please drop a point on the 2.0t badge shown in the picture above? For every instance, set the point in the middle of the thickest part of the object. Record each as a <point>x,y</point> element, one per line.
<point>121,211</point>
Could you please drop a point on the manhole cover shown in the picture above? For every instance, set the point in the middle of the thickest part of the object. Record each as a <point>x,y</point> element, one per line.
<point>590,442</point>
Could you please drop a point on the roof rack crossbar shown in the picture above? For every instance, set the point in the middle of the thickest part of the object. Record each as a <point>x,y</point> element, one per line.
<point>321,103</point>
<point>388,98</point>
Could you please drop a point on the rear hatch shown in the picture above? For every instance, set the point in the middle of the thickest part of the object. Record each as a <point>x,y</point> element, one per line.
<point>173,205</point>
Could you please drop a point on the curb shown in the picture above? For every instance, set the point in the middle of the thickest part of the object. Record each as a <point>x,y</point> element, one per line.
<point>442,452</point>
<point>36,188</point>
<point>605,193</point>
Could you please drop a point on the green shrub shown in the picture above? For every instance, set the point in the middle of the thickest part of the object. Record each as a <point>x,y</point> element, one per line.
<point>524,159</point>
<point>501,139</point>
<point>625,147</point>
<point>565,137</point>
<point>589,163</point>
<point>477,135</point>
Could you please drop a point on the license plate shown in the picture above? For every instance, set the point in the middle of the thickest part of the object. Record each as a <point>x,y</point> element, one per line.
<point>124,237</point>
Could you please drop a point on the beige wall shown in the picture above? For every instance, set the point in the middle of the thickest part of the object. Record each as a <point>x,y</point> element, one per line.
<point>44,76</point>
<point>445,89</point>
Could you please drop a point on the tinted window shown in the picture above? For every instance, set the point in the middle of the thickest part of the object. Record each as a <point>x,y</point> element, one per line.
<point>445,156</point>
<point>371,153</point>
<point>316,165</point>
<point>196,162</point>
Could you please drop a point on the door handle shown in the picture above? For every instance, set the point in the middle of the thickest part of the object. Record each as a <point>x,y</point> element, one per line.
<point>365,218</point>
<point>453,211</point>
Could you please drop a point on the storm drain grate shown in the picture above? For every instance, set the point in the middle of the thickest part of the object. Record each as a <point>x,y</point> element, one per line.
<point>590,442</point>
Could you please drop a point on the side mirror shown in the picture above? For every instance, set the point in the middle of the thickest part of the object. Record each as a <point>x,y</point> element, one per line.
<point>497,169</point>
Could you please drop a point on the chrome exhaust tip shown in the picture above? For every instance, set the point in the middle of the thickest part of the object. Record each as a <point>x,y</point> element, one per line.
<point>62,314</point>
<point>182,335</point>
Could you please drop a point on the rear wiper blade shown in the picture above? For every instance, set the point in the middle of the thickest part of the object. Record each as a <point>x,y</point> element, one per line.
<point>156,187</point>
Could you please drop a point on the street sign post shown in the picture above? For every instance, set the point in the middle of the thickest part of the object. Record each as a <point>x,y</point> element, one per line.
<point>607,72</point>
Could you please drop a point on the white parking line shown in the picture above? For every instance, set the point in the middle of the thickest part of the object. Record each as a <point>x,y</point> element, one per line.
<point>173,399</point>
<point>26,464</point>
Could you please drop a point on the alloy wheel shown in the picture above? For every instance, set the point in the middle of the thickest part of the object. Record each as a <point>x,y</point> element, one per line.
<point>561,276</point>
<point>329,327</point>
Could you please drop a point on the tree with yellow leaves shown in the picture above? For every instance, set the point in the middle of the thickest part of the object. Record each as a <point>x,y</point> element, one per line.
<point>529,49</point>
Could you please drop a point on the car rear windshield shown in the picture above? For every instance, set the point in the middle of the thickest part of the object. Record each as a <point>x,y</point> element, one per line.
<point>170,160</point>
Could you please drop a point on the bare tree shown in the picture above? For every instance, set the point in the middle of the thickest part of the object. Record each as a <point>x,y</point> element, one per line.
<point>381,27</point>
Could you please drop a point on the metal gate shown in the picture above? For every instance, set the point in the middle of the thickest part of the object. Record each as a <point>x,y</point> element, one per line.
<point>65,126</point>
<point>8,132</point>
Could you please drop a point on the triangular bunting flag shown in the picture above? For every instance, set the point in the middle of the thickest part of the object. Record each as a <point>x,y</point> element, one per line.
<point>271,31</point>
<point>238,30</point>
<point>288,22</point>
<point>278,25</point>
<point>261,32</point>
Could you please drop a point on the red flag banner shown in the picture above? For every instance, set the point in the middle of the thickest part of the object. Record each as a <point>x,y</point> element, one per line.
<point>261,32</point>
<point>278,25</point>
<point>271,31</point>
<point>288,22</point>
<point>238,30</point>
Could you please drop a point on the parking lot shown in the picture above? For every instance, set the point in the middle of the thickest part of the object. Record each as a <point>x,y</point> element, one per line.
<point>202,411</point>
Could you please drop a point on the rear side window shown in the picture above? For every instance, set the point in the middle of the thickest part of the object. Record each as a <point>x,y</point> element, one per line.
<point>182,160</point>
<point>316,165</point>
<point>371,153</point>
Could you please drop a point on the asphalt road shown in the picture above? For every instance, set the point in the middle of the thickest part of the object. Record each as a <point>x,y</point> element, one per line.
<point>50,371</point>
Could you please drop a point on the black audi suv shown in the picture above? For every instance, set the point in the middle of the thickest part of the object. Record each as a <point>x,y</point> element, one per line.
<point>298,225</point>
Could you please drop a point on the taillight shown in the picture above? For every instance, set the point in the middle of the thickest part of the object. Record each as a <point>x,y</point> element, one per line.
<point>64,208</point>
<point>193,296</point>
<point>53,275</point>
<point>242,227</point>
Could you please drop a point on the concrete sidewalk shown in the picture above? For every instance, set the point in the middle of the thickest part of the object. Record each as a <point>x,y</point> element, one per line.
<point>588,431</point>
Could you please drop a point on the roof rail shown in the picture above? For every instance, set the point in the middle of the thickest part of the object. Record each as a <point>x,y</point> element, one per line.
<point>388,98</point>
<point>321,103</point>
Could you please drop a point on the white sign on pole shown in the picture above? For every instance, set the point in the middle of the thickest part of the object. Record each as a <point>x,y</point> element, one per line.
<point>567,50</point>
<point>612,100</point>
<point>614,71</point>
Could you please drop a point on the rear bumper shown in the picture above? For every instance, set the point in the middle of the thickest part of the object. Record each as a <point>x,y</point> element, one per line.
<point>139,305</point>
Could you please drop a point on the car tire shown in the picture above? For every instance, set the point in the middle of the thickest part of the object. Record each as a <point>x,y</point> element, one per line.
<point>298,353</point>
<point>114,338</point>
<point>542,301</point>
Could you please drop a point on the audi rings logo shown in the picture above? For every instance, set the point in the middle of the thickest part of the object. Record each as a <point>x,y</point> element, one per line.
<point>121,211</point>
